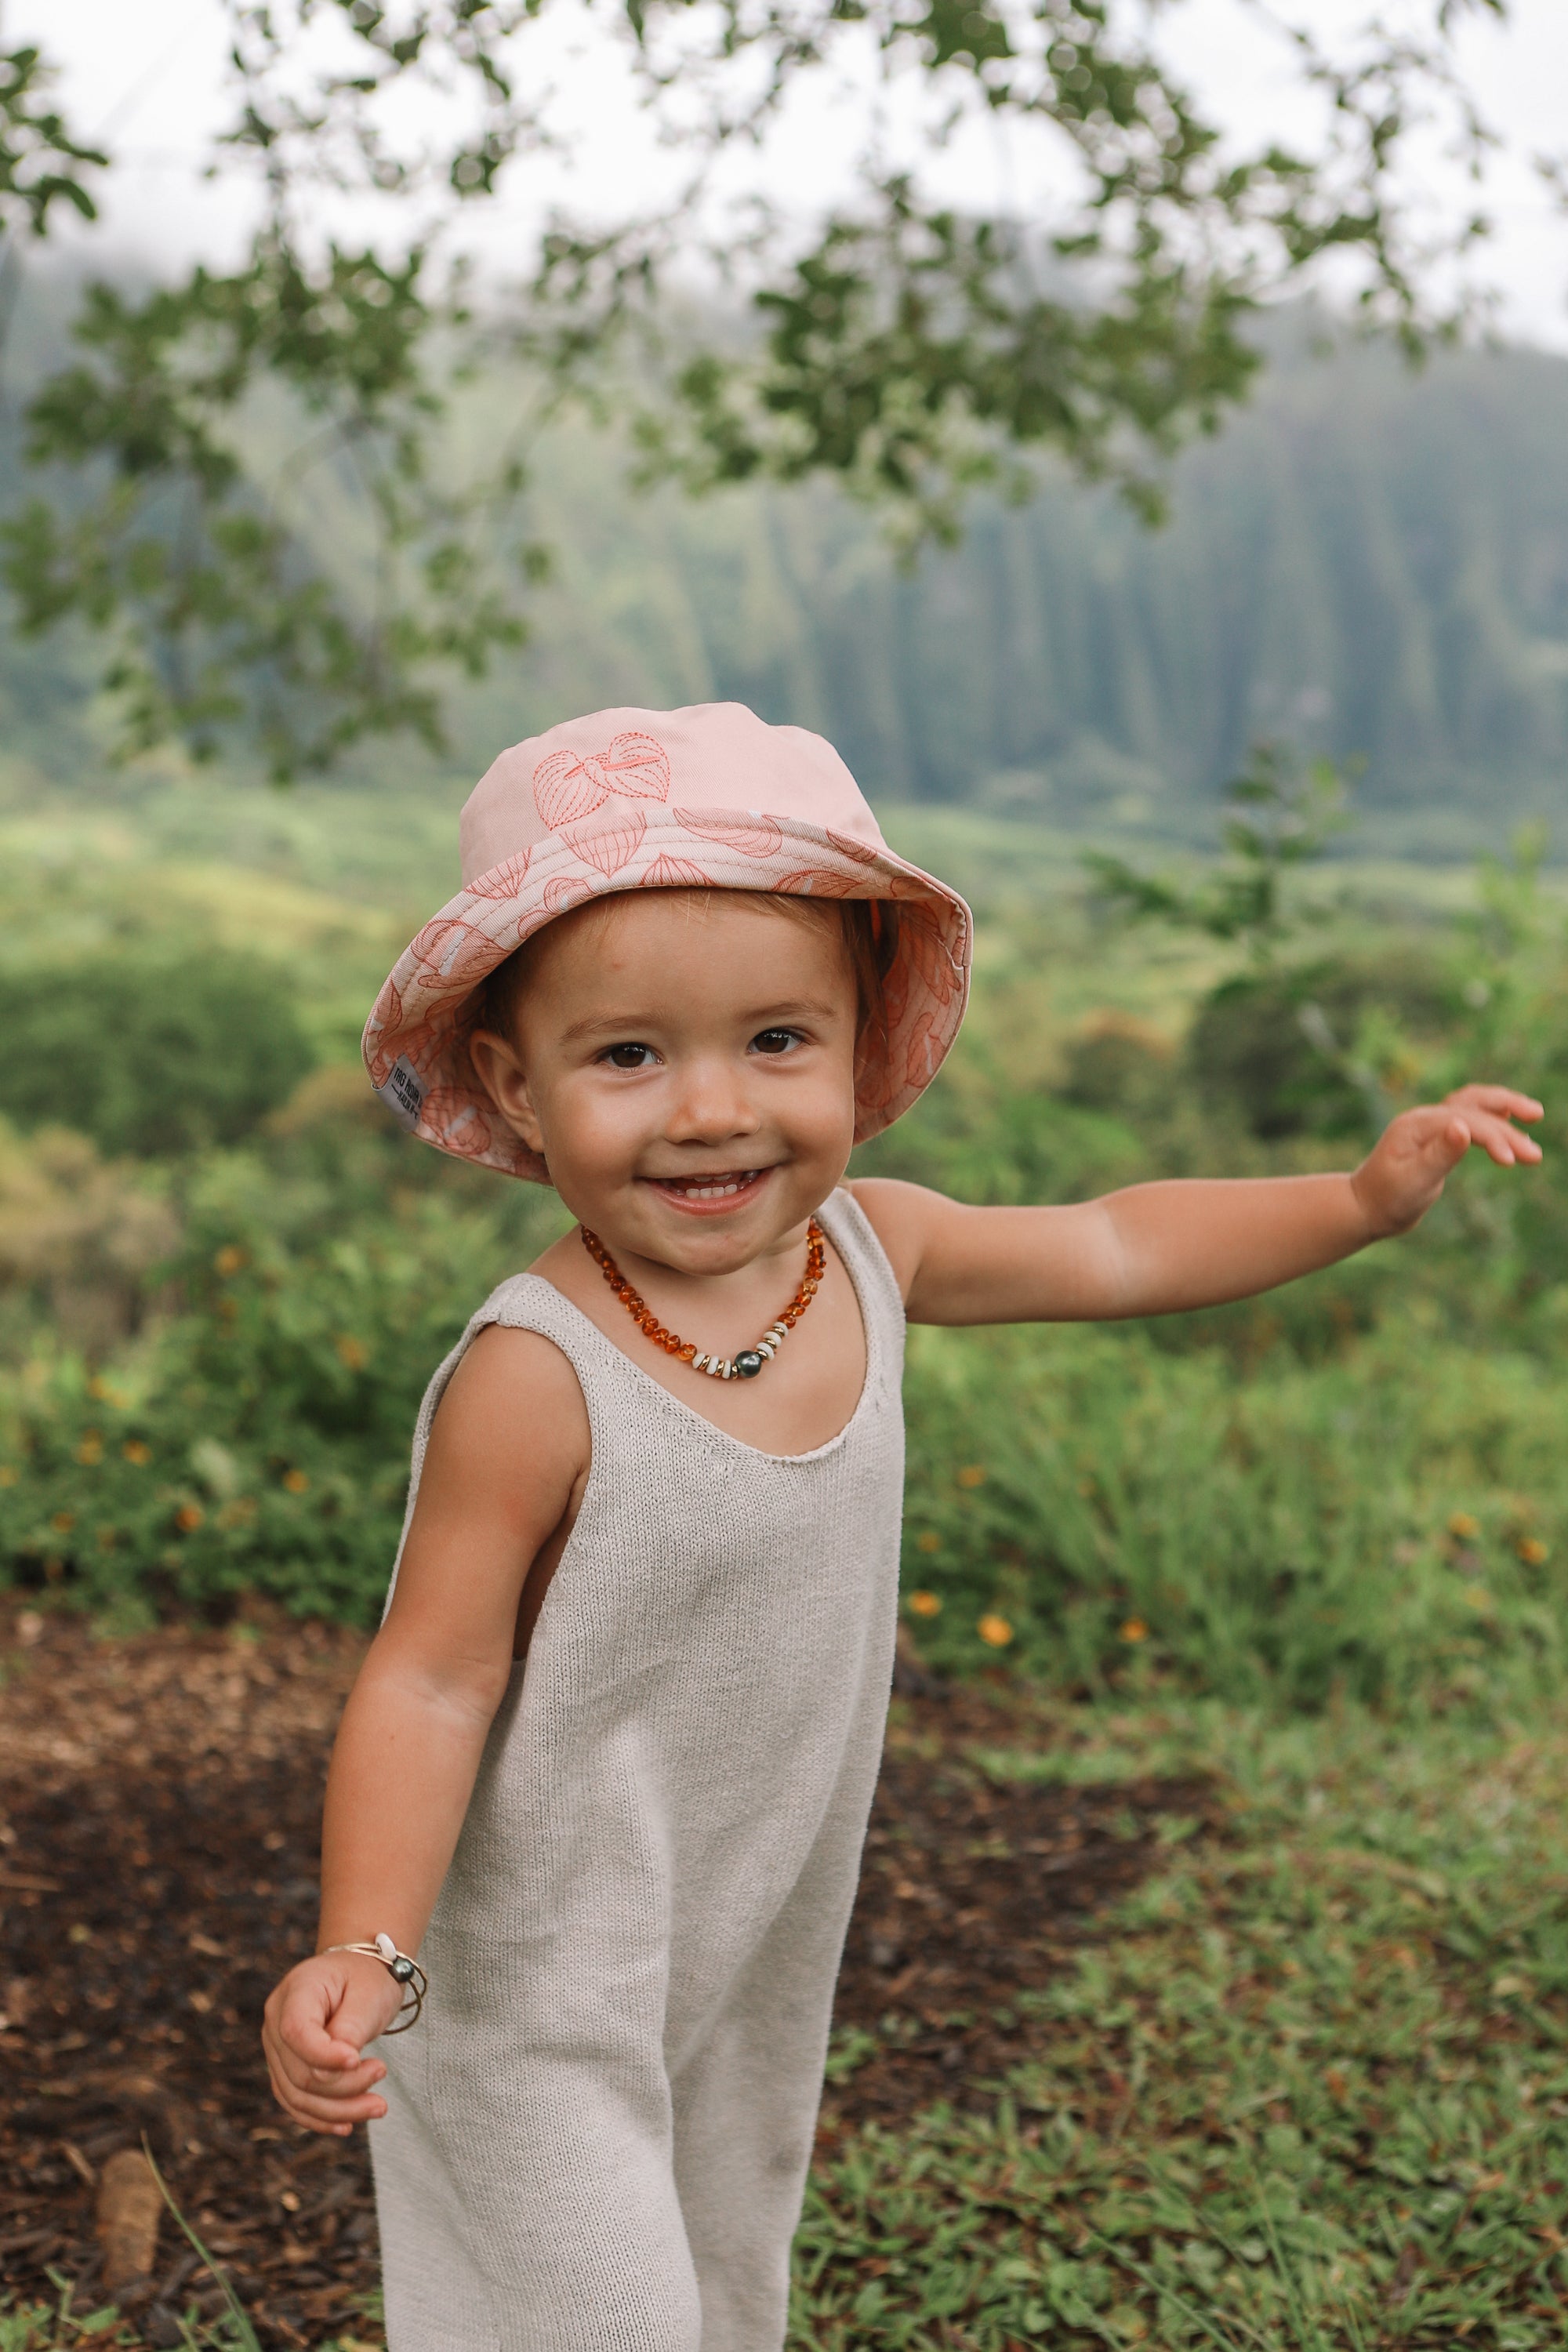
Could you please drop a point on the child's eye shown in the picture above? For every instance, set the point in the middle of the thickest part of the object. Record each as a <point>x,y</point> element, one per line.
<point>627,1058</point>
<point>774,1041</point>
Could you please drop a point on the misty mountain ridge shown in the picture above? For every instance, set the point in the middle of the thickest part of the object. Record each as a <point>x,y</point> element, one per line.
<point>1366,561</point>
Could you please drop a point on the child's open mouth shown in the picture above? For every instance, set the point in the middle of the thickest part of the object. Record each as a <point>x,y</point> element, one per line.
<point>720,1188</point>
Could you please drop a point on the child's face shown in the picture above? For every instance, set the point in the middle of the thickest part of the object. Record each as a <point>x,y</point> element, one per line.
<point>684,1061</point>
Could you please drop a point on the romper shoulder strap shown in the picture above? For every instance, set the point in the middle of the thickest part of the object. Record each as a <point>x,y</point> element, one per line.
<point>854,1236</point>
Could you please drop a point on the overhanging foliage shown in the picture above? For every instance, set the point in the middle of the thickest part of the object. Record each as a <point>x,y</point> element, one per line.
<point>905,347</point>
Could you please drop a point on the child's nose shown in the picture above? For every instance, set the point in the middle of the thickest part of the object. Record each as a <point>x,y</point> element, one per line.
<point>712,1105</point>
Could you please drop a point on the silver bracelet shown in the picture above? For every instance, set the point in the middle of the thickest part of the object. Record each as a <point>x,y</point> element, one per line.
<point>401,1970</point>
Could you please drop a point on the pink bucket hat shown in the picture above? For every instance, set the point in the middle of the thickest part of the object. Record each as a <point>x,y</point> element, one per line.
<point>710,797</point>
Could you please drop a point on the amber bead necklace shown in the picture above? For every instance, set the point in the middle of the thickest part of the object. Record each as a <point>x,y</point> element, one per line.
<point>750,1361</point>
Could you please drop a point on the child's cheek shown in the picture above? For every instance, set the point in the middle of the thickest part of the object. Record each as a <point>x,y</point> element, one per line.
<point>601,1128</point>
<point>817,1117</point>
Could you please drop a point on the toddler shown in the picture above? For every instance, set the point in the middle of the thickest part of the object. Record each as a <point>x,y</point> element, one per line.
<point>598,1801</point>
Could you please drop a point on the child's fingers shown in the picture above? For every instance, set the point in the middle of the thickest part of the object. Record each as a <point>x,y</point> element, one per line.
<point>1437,1132</point>
<point>318,2113</point>
<point>1502,1101</point>
<point>319,2107</point>
<point>1499,1140</point>
<point>328,2025</point>
<point>291,2076</point>
<point>296,2018</point>
<point>318,2096</point>
<point>340,2076</point>
<point>1450,1129</point>
<point>310,2042</point>
<point>322,2084</point>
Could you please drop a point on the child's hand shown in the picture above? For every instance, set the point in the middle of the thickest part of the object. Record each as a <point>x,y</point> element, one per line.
<point>1399,1179</point>
<point>314,2029</point>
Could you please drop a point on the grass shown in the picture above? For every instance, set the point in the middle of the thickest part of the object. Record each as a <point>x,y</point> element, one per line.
<point>1312,2093</point>
<point>43,2327</point>
<point>1391,1523</point>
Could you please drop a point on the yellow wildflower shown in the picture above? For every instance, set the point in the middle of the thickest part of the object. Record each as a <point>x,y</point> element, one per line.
<point>926,1604</point>
<point>994,1630</point>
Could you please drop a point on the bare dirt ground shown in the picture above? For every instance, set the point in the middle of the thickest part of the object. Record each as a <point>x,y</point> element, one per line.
<point>159,1805</point>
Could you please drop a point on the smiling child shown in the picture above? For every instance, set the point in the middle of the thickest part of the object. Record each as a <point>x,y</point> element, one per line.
<point>596,1807</point>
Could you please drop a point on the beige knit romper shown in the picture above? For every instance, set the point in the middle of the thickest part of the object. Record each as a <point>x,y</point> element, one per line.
<point>598,2134</point>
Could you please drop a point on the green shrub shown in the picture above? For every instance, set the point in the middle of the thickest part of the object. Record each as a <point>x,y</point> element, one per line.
<point>150,1054</point>
<point>260,1442</point>
<point>1282,1047</point>
<point>1392,1527</point>
<point>1122,1067</point>
<point>80,1239</point>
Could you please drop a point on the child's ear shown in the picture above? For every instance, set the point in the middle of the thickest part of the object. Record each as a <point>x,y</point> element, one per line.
<point>504,1079</point>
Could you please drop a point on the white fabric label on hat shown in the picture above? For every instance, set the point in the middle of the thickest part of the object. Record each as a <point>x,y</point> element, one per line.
<point>404,1092</point>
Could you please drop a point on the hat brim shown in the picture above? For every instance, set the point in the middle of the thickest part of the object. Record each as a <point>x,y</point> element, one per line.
<point>415,1043</point>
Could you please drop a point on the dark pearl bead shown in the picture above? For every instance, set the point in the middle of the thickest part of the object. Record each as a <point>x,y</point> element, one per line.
<point>401,1970</point>
<point>748,1363</point>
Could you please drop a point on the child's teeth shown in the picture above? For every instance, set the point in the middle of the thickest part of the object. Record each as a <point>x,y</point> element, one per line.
<point>716,1191</point>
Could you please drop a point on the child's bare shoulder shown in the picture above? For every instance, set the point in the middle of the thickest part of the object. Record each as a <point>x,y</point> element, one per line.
<point>505,1468</point>
<point>512,1414</point>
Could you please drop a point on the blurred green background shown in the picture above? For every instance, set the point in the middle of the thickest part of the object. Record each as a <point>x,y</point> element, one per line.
<point>226,1274</point>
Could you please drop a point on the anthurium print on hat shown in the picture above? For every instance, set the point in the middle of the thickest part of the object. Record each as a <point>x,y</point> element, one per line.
<point>706,798</point>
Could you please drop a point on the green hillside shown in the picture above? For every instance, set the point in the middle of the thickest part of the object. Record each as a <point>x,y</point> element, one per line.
<point>1368,561</point>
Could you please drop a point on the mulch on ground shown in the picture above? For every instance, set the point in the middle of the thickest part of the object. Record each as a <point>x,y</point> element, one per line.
<point>159,1810</point>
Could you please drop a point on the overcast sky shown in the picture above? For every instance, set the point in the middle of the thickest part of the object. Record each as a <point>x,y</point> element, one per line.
<point>147,81</point>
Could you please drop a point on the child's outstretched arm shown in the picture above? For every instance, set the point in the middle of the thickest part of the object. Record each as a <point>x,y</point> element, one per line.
<point>1155,1249</point>
<point>491,1523</point>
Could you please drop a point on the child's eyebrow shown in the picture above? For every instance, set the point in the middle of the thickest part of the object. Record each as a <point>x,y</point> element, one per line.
<point>761,1016</point>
